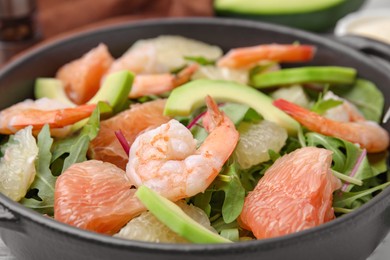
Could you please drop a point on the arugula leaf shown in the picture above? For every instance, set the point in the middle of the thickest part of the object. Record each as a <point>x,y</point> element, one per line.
<point>77,152</point>
<point>345,155</point>
<point>40,197</point>
<point>234,195</point>
<point>378,162</point>
<point>365,96</point>
<point>200,60</point>
<point>75,148</point>
<point>236,112</point>
<point>350,200</point>
<point>321,106</point>
<point>202,200</point>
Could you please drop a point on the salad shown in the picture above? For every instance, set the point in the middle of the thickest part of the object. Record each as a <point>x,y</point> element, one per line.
<point>177,142</point>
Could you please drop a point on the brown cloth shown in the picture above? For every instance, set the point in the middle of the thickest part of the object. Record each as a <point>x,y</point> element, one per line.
<point>58,16</point>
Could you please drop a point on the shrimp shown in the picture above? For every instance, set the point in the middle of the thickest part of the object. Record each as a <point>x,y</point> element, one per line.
<point>166,159</point>
<point>40,112</point>
<point>248,57</point>
<point>151,84</point>
<point>368,134</point>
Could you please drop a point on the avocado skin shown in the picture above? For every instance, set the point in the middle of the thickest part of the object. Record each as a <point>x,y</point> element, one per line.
<point>316,21</point>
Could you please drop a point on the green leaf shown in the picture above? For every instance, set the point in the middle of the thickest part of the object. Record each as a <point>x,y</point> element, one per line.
<point>200,60</point>
<point>202,201</point>
<point>234,195</point>
<point>41,194</point>
<point>350,200</point>
<point>365,96</point>
<point>378,162</point>
<point>219,224</point>
<point>236,112</point>
<point>345,155</point>
<point>74,149</point>
<point>77,152</point>
<point>321,106</point>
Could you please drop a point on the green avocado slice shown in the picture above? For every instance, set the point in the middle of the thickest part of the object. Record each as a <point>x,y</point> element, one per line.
<point>114,91</point>
<point>173,217</point>
<point>51,88</point>
<point>190,96</point>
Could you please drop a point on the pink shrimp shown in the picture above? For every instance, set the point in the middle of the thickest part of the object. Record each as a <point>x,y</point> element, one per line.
<point>166,159</point>
<point>152,84</point>
<point>368,134</point>
<point>40,112</point>
<point>247,57</point>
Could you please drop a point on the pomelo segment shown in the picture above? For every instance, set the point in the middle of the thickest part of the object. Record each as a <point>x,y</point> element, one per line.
<point>82,76</point>
<point>95,196</point>
<point>17,165</point>
<point>256,140</point>
<point>295,194</point>
<point>131,122</point>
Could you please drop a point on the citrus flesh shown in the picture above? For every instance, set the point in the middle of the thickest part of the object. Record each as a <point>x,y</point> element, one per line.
<point>95,196</point>
<point>82,77</point>
<point>295,194</point>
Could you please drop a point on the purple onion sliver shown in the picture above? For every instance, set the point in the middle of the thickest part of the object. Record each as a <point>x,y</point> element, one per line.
<point>195,120</point>
<point>122,140</point>
<point>355,168</point>
<point>198,117</point>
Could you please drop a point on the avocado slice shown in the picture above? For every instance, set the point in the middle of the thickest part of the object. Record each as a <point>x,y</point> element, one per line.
<point>190,96</point>
<point>51,88</point>
<point>114,91</point>
<point>174,217</point>
<point>318,15</point>
<point>317,74</point>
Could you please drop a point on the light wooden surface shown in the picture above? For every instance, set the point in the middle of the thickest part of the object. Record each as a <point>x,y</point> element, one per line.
<point>383,250</point>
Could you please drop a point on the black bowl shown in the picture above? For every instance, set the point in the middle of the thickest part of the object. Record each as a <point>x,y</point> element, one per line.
<point>32,236</point>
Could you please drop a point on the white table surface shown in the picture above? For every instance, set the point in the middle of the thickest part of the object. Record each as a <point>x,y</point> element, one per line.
<point>383,250</point>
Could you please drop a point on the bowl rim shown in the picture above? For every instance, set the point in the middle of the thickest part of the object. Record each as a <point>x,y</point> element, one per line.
<point>378,203</point>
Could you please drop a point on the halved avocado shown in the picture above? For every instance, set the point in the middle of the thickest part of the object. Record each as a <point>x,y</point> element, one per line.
<point>174,217</point>
<point>317,15</point>
<point>185,99</point>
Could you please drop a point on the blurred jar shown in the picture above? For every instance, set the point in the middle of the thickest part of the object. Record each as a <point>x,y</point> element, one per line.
<point>18,29</point>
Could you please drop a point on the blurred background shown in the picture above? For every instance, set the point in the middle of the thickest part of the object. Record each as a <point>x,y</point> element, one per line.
<point>24,23</point>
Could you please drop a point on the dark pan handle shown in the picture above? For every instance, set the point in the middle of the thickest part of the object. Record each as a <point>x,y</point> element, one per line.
<point>378,50</point>
<point>9,221</point>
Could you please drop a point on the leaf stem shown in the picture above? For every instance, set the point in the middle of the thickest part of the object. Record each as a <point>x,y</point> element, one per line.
<point>224,178</point>
<point>347,178</point>
<point>342,210</point>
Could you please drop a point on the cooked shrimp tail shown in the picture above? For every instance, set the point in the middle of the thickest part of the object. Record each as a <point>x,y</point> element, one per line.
<point>166,159</point>
<point>154,84</point>
<point>368,134</point>
<point>21,115</point>
<point>248,57</point>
